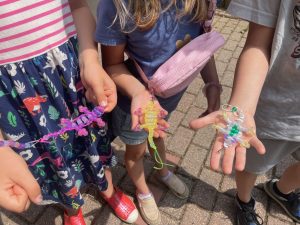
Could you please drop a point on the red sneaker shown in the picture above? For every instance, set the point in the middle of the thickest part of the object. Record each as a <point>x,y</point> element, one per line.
<point>74,220</point>
<point>123,207</point>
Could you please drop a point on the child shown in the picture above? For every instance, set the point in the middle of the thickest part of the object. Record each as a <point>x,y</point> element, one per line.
<point>267,77</point>
<point>40,84</point>
<point>150,32</point>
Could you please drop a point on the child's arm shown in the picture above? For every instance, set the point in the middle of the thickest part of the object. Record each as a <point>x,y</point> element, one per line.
<point>17,185</point>
<point>100,89</point>
<point>127,84</point>
<point>250,75</point>
<point>212,88</point>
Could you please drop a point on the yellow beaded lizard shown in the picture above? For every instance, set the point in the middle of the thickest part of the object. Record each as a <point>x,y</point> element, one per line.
<point>150,114</point>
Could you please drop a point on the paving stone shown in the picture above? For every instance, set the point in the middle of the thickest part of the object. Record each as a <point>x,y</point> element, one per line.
<point>228,185</point>
<point>236,36</point>
<point>180,140</point>
<point>221,67</point>
<point>91,208</point>
<point>261,202</point>
<point>225,95</point>
<point>118,173</point>
<point>242,42</point>
<point>224,212</point>
<point>204,137</point>
<point>174,121</point>
<point>232,64</point>
<point>165,219</point>
<point>227,78</point>
<point>128,186</point>
<point>231,45</point>
<point>196,86</point>
<point>224,56</point>
<point>172,159</point>
<point>211,178</point>
<point>276,211</point>
<point>185,102</point>
<point>200,102</point>
<point>51,216</point>
<point>195,215</point>
<point>173,205</point>
<point>274,221</point>
<point>107,217</point>
<point>203,195</point>
<point>193,113</point>
<point>193,160</point>
<point>33,213</point>
<point>237,52</point>
<point>8,218</point>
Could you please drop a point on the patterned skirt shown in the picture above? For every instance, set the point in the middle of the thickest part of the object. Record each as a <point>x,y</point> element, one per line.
<point>34,95</point>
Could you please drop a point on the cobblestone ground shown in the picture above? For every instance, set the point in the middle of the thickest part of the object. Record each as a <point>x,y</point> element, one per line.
<point>211,200</point>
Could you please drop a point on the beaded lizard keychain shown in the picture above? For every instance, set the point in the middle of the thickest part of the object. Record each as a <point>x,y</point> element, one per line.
<point>234,132</point>
<point>150,114</point>
<point>78,124</point>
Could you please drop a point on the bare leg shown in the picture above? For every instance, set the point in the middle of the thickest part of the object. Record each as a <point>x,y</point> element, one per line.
<point>110,188</point>
<point>160,144</point>
<point>245,183</point>
<point>134,157</point>
<point>290,180</point>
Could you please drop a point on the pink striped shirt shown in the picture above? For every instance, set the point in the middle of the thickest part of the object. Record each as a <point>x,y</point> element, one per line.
<point>29,28</point>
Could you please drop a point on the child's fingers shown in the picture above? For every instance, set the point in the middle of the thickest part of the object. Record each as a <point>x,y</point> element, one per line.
<point>134,121</point>
<point>240,158</point>
<point>258,145</point>
<point>163,124</point>
<point>228,159</point>
<point>204,121</point>
<point>30,185</point>
<point>111,100</point>
<point>215,157</point>
<point>159,133</point>
<point>12,201</point>
<point>18,191</point>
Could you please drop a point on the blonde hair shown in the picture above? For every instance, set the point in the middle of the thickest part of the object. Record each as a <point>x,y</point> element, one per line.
<point>145,13</point>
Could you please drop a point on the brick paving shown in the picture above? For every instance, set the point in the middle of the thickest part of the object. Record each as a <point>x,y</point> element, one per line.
<point>211,199</point>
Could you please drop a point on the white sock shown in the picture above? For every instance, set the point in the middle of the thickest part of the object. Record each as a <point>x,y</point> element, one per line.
<point>144,196</point>
<point>165,178</point>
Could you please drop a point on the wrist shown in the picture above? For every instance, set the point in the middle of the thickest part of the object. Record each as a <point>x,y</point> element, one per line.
<point>243,106</point>
<point>139,91</point>
<point>88,57</point>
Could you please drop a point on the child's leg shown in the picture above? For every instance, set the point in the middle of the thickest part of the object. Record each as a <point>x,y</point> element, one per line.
<point>108,193</point>
<point>160,144</point>
<point>177,186</point>
<point>245,182</point>
<point>290,180</point>
<point>134,156</point>
<point>135,167</point>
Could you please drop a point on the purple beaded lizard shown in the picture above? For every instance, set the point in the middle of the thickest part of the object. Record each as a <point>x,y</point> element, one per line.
<point>78,124</point>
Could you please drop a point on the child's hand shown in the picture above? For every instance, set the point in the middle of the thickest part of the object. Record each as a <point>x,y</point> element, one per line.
<point>139,101</point>
<point>100,89</point>
<point>212,93</point>
<point>234,151</point>
<point>17,185</point>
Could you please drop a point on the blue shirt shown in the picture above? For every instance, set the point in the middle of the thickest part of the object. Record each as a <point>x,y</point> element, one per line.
<point>150,48</point>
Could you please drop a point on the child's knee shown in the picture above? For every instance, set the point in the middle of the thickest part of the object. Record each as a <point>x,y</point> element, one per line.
<point>135,152</point>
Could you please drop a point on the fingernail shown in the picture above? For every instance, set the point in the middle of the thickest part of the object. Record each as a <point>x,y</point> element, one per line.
<point>103,103</point>
<point>39,199</point>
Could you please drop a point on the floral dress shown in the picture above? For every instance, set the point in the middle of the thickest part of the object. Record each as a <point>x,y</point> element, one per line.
<point>34,95</point>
